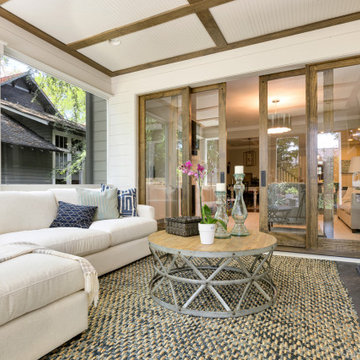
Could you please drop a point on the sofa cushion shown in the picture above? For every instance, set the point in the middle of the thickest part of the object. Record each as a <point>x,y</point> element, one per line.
<point>66,195</point>
<point>32,281</point>
<point>75,241</point>
<point>106,202</point>
<point>70,215</point>
<point>126,229</point>
<point>26,210</point>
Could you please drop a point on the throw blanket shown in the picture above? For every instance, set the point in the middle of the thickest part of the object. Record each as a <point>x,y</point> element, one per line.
<point>10,251</point>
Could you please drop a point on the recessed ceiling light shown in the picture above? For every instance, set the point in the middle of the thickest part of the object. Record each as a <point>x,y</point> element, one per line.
<point>115,42</point>
<point>350,139</point>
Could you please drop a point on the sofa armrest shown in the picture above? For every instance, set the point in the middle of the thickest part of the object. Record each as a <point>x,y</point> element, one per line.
<point>146,211</point>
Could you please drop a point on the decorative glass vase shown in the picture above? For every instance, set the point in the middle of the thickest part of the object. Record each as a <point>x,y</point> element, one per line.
<point>239,212</point>
<point>220,232</point>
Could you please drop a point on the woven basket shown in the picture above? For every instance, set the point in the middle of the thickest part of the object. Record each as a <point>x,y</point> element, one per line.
<point>183,226</point>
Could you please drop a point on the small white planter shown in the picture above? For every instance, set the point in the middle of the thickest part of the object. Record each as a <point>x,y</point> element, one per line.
<point>207,233</point>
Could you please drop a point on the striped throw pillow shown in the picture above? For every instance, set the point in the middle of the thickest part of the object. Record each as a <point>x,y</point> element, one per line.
<point>127,202</point>
<point>106,202</point>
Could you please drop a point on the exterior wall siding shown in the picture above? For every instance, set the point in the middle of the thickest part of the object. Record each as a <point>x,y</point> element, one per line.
<point>22,165</point>
<point>99,138</point>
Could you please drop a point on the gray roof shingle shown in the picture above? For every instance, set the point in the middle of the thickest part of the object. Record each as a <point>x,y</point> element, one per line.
<point>14,133</point>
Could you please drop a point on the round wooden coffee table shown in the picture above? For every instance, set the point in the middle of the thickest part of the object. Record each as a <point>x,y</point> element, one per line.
<point>229,278</point>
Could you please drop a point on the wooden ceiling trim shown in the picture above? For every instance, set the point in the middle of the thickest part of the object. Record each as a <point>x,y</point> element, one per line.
<point>148,22</point>
<point>51,40</point>
<point>246,42</point>
<point>210,25</point>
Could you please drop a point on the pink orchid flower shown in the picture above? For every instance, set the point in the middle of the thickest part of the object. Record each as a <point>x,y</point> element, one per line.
<point>188,164</point>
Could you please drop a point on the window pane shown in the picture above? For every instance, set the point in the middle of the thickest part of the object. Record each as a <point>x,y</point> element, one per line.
<point>287,155</point>
<point>164,155</point>
<point>205,147</point>
<point>339,153</point>
<point>44,129</point>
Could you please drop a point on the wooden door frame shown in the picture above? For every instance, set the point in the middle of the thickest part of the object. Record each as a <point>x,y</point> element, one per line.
<point>185,93</point>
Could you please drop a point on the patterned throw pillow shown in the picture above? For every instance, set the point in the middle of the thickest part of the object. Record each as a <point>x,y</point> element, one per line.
<point>106,202</point>
<point>70,215</point>
<point>126,200</point>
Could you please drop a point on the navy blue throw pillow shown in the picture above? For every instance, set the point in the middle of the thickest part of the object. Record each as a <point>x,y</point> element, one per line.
<point>70,215</point>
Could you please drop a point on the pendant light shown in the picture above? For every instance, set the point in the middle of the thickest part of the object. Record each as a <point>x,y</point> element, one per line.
<point>278,123</point>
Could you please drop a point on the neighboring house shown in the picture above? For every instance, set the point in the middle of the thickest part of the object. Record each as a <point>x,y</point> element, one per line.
<point>36,141</point>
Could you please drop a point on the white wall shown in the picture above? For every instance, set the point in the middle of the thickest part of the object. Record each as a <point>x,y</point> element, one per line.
<point>30,49</point>
<point>99,137</point>
<point>330,43</point>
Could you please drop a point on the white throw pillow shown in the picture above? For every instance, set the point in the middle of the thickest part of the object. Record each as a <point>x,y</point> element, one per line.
<point>106,202</point>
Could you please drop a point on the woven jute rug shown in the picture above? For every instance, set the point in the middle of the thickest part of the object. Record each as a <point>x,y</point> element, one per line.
<point>313,318</point>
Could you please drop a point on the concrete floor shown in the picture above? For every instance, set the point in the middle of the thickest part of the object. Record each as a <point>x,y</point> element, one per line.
<point>351,280</point>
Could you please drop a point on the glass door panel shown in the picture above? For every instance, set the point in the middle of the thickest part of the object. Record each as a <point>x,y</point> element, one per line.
<point>164,153</point>
<point>286,138</point>
<point>207,134</point>
<point>338,155</point>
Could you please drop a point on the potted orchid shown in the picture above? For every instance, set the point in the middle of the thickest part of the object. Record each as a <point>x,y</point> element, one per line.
<point>207,224</point>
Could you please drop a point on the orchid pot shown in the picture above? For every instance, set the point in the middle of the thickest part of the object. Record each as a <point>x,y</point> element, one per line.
<point>207,225</point>
<point>207,233</point>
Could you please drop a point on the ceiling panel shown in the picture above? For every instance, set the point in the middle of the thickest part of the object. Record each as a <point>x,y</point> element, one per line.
<point>173,38</point>
<point>72,20</point>
<point>244,19</point>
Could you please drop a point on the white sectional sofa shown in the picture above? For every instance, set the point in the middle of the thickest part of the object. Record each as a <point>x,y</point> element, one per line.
<point>42,298</point>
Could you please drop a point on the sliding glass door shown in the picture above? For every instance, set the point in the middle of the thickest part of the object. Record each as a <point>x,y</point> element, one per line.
<point>310,157</point>
<point>283,149</point>
<point>176,126</point>
<point>338,153</point>
<point>164,143</point>
<point>208,144</point>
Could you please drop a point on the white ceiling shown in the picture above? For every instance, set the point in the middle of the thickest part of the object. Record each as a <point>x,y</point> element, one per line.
<point>172,38</point>
<point>243,19</point>
<point>74,20</point>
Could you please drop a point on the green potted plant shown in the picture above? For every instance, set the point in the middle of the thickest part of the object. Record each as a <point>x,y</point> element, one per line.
<point>207,224</point>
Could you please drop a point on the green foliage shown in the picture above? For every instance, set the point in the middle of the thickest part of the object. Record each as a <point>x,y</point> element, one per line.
<point>208,219</point>
<point>292,190</point>
<point>76,165</point>
<point>69,100</point>
<point>287,149</point>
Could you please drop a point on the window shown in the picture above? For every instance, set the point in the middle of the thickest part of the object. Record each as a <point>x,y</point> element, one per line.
<point>46,124</point>
<point>64,171</point>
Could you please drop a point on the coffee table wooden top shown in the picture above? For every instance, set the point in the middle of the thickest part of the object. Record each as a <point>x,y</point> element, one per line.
<point>256,242</point>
